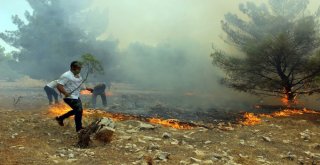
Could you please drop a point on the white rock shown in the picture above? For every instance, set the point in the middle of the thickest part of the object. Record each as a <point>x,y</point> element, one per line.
<point>151,138</point>
<point>207,142</point>
<point>14,135</point>
<point>55,161</point>
<point>141,141</point>
<point>132,130</point>
<point>195,160</point>
<point>217,156</point>
<point>71,160</point>
<point>199,153</point>
<point>174,142</point>
<point>153,147</point>
<point>166,135</point>
<point>265,138</point>
<point>125,137</point>
<point>223,143</point>
<point>71,155</point>
<point>207,162</point>
<point>162,155</point>
<point>289,156</point>
<point>286,141</point>
<point>182,162</point>
<point>190,146</point>
<point>145,126</point>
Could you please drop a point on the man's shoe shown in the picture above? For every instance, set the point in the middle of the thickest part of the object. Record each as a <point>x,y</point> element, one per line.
<point>60,122</point>
<point>79,129</point>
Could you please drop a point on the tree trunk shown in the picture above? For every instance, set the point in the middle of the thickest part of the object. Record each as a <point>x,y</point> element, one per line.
<point>84,134</point>
<point>290,96</point>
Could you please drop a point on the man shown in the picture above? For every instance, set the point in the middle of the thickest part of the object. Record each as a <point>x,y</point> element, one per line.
<point>49,89</point>
<point>69,85</point>
<point>99,89</point>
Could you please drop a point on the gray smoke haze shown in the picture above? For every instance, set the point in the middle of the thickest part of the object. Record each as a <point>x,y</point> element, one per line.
<point>163,45</point>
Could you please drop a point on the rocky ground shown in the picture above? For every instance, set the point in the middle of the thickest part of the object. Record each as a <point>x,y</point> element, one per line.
<point>29,135</point>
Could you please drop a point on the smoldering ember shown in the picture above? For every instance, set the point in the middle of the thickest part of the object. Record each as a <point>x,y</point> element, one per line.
<point>160,82</point>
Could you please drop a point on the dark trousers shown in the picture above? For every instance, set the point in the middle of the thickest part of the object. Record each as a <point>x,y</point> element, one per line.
<point>103,98</point>
<point>76,106</point>
<point>51,93</point>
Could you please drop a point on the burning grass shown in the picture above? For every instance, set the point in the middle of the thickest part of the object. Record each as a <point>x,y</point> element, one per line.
<point>59,109</point>
<point>252,119</point>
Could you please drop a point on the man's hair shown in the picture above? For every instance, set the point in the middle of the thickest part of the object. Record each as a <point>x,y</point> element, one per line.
<point>75,64</point>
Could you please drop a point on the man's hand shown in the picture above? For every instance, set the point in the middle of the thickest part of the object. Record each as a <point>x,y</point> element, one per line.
<point>67,94</point>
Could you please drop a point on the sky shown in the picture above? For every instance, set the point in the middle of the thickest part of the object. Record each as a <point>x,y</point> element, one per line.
<point>7,9</point>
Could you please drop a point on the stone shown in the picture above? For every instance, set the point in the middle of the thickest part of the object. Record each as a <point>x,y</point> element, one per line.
<point>289,156</point>
<point>199,153</point>
<point>265,138</point>
<point>126,137</point>
<point>150,138</point>
<point>286,141</point>
<point>105,134</point>
<point>207,162</point>
<point>195,160</point>
<point>153,147</point>
<point>166,135</point>
<point>132,130</point>
<point>162,155</point>
<point>145,126</point>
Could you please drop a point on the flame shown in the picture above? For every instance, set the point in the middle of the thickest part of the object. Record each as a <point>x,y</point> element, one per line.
<point>174,123</point>
<point>85,92</point>
<point>251,119</point>
<point>61,108</point>
<point>286,101</point>
<point>291,112</point>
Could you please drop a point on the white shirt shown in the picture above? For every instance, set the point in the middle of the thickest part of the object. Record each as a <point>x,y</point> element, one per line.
<point>53,84</point>
<point>70,83</point>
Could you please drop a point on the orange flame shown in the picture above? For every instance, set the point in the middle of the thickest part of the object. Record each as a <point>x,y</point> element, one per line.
<point>286,101</point>
<point>59,109</point>
<point>85,92</point>
<point>170,123</point>
<point>250,119</point>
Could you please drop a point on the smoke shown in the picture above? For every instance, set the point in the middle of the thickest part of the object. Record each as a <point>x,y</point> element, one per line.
<point>162,45</point>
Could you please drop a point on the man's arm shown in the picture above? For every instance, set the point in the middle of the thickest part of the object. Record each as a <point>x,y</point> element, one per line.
<point>62,90</point>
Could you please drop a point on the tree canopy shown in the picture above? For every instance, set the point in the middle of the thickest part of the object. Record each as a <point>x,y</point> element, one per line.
<point>49,40</point>
<point>279,42</point>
